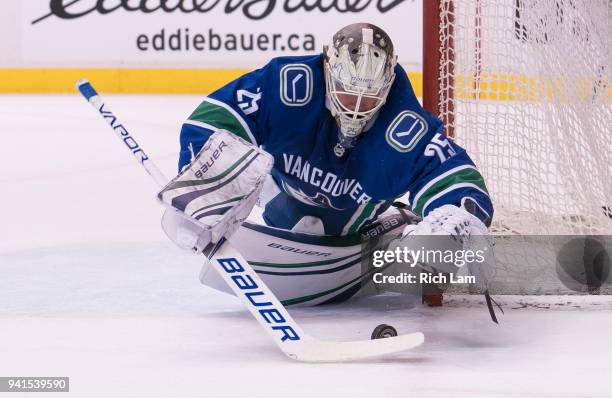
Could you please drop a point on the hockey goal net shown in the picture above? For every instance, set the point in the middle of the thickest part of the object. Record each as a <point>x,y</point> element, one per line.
<point>524,87</point>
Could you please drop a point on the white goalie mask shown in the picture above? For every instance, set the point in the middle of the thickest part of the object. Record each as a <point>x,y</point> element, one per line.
<point>359,72</point>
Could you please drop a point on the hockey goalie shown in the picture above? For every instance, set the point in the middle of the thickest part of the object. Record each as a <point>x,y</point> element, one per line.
<point>324,144</point>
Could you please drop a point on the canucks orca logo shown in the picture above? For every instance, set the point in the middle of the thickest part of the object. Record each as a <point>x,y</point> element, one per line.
<point>296,84</point>
<point>319,200</point>
<point>406,130</point>
<point>322,201</point>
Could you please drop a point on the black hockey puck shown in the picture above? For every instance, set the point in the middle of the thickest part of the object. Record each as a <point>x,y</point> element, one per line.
<point>383,331</point>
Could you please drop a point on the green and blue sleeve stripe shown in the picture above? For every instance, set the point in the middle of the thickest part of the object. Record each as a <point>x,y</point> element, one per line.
<point>222,111</point>
<point>450,183</point>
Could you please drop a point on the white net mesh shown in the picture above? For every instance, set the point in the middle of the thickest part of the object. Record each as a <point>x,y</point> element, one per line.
<point>525,89</point>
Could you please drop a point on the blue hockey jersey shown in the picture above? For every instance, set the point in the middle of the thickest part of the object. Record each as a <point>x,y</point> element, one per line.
<point>282,108</point>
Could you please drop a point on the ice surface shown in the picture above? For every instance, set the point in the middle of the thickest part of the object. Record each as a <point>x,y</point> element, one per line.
<point>91,289</point>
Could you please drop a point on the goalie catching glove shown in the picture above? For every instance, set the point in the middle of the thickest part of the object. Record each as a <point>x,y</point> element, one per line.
<point>452,229</point>
<point>448,220</point>
<point>461,239</point>
<point>215,193</point>
<point>448,229</point>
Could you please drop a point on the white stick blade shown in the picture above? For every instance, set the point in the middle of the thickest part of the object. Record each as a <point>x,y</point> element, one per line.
<point>335,351</point>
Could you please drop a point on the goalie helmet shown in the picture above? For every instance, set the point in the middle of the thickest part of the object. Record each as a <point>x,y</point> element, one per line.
<point>359,71</point>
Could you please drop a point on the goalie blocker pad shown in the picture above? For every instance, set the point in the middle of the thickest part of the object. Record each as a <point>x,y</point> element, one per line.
<point>215,193</point>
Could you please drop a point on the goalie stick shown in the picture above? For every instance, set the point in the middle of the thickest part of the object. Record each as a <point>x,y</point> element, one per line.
<point>248,286</point>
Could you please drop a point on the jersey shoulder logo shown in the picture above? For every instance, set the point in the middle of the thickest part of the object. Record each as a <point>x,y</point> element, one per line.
<point>295,84</point>
<point>406,130</point>
<point>247,101</point>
